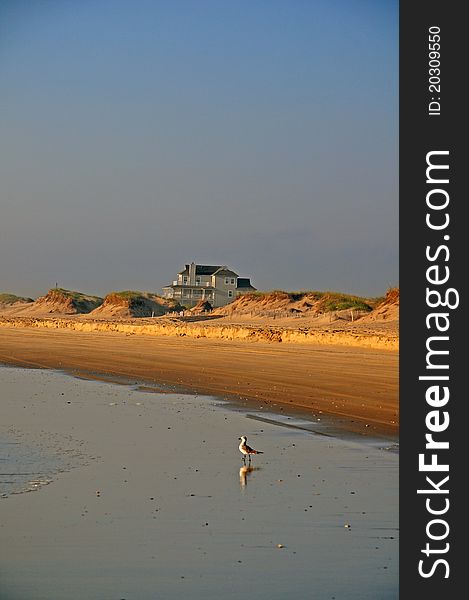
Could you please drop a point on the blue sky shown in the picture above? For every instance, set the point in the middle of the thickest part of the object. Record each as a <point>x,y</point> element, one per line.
<point>139,135</point>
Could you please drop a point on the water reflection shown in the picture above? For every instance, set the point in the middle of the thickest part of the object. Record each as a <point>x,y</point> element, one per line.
<point>244,474</point>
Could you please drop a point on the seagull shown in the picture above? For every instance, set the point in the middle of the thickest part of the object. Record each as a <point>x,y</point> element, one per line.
<point>245,449</point>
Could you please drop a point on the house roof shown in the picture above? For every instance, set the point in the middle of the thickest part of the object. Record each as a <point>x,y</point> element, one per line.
<point>244,282</point>
<point>209,270</point>
<point>202,269</point>
<point>225,271</point>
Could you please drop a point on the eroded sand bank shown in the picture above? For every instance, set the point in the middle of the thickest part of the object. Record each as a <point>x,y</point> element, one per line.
<point>214,329</point>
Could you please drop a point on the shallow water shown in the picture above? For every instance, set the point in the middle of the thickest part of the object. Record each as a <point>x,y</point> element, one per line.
<point>27,465</point>
<point>153,501</point>
<point>24,468</point>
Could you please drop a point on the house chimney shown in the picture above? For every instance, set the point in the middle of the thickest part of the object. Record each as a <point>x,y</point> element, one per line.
<point>192,273</point>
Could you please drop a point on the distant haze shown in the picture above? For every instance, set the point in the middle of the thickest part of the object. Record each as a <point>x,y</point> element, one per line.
<point>139,135</point>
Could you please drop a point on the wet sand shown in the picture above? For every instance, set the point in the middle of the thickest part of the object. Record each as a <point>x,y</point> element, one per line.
<point>161,506</point>
<point>358,385</point>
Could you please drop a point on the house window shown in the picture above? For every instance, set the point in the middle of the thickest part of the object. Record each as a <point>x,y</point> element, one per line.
<point>184,279</point>
<point>197,280</point>
<point>232,281</point>
<point>227,280</point>
<point>230,293</point>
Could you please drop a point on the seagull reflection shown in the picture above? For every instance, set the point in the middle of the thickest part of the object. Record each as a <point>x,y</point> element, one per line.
<point>244,473</point>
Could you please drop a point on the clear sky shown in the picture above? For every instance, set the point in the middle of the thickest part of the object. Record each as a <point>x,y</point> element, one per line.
<point>139,135</point>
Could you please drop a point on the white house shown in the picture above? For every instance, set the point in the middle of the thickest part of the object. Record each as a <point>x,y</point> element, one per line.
<point>216,284</point>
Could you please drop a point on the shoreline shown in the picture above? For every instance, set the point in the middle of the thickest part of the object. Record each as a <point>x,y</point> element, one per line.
<point>328,425</point>
<point>158,492</point>
<point>356,386</point>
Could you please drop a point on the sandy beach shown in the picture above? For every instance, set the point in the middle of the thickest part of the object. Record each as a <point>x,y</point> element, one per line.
<point>144,496</point>
<point>357,385</point>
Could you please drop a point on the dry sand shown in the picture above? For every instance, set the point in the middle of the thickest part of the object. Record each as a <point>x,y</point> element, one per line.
<point>357,384</point>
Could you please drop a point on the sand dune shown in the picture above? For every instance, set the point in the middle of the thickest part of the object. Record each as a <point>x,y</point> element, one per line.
<point>304,317</point>
<point>387,310</point>
<point>13,304</point>
<point>274,316</point>
<point>57,301</point>
<point>132,304</point>
<point>295,303</point>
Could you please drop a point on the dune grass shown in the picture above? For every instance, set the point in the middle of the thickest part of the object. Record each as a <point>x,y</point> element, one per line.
<point>328,301</point>
<point>128,294</point>
<point>7,298</point>
<point>78,296</point>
